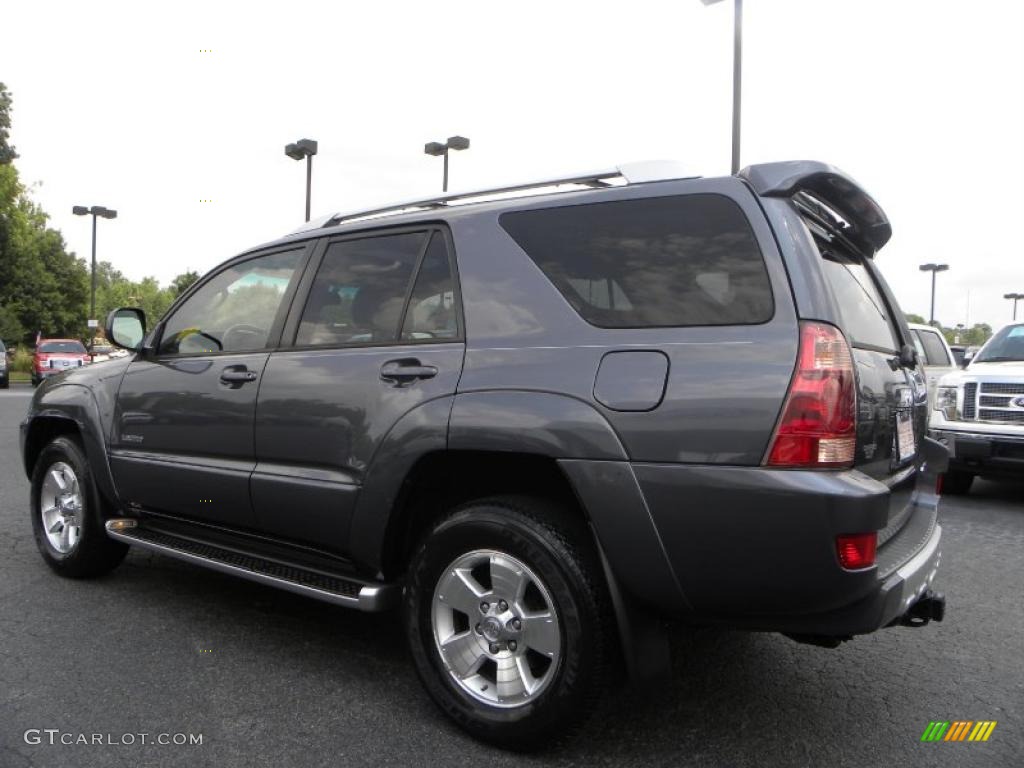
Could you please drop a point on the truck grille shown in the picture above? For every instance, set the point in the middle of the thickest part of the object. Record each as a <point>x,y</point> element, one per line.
<point>970,401</point>
<point>1010,417</point>
<point>995,402</point>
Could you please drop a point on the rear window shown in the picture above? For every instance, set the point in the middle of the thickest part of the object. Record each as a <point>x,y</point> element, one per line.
<point>934,349</point>
<point>866,319</point>
<point>57,347</point>
<point>668,261</point>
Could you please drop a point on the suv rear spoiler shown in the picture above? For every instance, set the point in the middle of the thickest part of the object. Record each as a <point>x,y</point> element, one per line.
<point>869,226</point>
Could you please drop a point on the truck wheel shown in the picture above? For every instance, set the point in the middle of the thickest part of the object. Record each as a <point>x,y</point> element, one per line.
<point>956,482</point>
<point>508,620</point>
<point>65,522</point>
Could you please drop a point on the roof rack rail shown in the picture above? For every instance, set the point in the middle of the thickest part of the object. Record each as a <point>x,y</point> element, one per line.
<point>630,173</point>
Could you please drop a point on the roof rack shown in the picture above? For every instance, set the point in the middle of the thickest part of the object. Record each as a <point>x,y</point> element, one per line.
<point>631,173</point>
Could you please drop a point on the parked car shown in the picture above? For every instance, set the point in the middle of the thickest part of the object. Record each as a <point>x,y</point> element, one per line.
<point>101,352</point>
<point>541,426</point>
<point>53,356</point>
<point>5,374</point>
<point>958,351</point>
<point>979,413</point>
<point>935,354</point>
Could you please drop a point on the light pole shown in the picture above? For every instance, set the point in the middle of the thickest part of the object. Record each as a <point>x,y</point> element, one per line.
<point>933,268</point>
<point>1014,296</point>
<point>304,148</point>
<point>106,213</point>
<point>737,76</point>
<point>436,149</point>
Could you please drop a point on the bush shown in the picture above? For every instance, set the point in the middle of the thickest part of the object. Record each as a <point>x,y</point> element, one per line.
<point>22,362</point>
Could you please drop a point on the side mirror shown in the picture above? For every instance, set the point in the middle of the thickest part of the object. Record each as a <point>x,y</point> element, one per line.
<point>126,327</point>
<point>908,356</point>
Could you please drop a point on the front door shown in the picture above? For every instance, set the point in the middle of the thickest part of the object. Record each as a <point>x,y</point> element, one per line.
<point>378,335</point>
<point>182,441</point>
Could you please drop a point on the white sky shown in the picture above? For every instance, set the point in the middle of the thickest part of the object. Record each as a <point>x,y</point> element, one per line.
<point>921,100</point>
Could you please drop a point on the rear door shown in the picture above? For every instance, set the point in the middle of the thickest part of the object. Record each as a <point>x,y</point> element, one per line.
<point>891,399</point>
<point>376,332</point>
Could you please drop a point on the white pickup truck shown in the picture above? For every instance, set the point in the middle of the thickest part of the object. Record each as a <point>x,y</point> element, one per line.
<point>978,413</point>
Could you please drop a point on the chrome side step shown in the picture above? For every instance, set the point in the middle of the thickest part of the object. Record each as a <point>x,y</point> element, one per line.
<point>339,590</point>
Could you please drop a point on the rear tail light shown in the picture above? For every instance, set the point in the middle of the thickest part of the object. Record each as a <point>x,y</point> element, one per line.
<point>857,550</point>
<point>818,423</point>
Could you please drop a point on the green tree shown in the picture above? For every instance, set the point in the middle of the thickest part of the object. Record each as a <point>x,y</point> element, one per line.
<point>182,283</point>
<point>41,283</point>
<point>912,318</point>
<point>7,153</point>
<point>10,326</point>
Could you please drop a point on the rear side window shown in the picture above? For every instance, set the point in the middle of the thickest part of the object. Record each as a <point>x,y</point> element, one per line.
<point>866,319</point>
<point>934,349</point>
<point>360,291</point>
<point>669,261</point>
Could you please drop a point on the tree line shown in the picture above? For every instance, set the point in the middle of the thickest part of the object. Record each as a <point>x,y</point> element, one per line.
<point>44,288</point>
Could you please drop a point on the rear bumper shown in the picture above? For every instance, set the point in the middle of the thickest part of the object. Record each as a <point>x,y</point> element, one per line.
<point>983,453</point>
<point>754,548</point>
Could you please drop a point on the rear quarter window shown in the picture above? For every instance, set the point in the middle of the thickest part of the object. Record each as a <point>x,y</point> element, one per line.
<point>685,260</point>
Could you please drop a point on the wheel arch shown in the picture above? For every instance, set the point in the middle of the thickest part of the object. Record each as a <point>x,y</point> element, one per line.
<point>69,410</point>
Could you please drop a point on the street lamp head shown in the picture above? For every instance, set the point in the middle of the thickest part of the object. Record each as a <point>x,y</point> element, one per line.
<point>941,267</point>
<point>435,148</point>
<point>107,213</point>
<point>934,267</point>
<point>1013,296</point>
<point>80,210</point>
<point>300,149</point>
<point>458,142</point>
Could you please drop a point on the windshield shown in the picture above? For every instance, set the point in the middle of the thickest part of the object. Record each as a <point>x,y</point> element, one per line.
<point>58,347</point>
<point>1007,345</point>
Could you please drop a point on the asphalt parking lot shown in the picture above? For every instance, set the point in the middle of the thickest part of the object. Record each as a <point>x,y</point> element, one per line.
<point>272,679</point>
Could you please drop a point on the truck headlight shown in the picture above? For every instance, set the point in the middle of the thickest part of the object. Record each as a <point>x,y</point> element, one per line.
<point>945,401</point>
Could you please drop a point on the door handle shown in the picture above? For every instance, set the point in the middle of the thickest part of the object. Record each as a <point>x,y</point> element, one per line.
<point>237,375</point>
<point>407,370</point>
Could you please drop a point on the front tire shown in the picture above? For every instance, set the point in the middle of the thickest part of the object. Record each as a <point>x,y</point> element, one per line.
<point>65,520</point>
<point>508,620</point>
<point>956,482</point>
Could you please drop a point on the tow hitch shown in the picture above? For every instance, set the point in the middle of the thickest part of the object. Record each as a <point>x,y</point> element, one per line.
<point>930,606</point>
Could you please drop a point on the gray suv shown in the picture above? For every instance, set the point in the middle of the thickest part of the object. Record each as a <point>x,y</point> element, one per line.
<point>543,421</point>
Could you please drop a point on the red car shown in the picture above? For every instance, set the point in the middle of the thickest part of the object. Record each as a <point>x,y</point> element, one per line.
<point>55,356</point>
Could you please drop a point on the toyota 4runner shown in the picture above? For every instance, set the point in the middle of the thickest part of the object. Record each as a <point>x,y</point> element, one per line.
<point>542,420</point>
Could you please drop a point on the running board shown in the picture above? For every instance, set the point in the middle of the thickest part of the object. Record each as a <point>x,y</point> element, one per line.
<point>339,590</point>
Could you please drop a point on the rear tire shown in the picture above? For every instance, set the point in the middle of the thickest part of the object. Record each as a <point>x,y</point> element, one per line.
<point>510,584</point>
<point>956,482</point>
<point>66,516</point>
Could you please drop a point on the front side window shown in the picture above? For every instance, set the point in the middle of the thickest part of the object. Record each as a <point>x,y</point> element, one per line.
<point>685,260</point>
<point>360,291</point>
<point>234,311</point>
<point>935,350</point>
